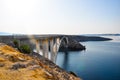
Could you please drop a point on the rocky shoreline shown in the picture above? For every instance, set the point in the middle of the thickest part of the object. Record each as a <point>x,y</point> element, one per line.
<point>73,45</point>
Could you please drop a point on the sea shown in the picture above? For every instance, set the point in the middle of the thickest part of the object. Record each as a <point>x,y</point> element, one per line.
<point>100,60</point>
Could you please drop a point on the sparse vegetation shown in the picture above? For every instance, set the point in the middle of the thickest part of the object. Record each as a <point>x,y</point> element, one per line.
<point>16,43</point>
<point>25,48</point>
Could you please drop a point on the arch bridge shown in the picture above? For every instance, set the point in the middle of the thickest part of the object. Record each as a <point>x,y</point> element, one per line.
<point>49,45</point>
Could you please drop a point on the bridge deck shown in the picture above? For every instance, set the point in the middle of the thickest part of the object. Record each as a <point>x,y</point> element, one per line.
<point>36,36</point>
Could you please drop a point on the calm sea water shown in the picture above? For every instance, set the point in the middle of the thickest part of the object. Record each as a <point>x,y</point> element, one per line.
<point>100,61</point>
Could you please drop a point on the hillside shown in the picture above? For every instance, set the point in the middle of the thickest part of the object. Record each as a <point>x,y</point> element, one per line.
<point>18,66</point>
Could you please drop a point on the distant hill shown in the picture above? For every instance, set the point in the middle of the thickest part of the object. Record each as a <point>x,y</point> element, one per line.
<point>100,34</point>
<point>89,38</point>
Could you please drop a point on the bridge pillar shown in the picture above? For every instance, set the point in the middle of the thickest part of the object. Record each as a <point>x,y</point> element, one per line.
<point>51,49</point>
<point>57,43</point>
<point>37,46</point>
<point>45,49</point>
<point>55,49</point>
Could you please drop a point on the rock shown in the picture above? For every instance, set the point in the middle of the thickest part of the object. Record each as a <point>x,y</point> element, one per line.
<point>53,69</point>
<point>2,64</point>
<point>18,65</point>
<point>73,45</point>
<point>72,73</point>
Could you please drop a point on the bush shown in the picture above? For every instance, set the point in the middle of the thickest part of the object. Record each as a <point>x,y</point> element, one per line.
<point>22,48</point>
<point>16,43</point>
<point>25,48</point>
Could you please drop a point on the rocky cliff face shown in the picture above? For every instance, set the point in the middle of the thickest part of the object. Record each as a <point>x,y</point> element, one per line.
<point>73,45</point>
<point>18,66</point>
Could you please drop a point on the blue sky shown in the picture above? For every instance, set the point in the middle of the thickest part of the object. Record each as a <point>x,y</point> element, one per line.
<point>60,16</point>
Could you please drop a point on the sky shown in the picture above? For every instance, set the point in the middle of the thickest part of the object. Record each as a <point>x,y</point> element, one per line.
<point>60,16</point>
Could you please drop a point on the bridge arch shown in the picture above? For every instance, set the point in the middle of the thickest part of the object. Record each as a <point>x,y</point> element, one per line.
<point>63,41</point>
<point>52,43</point>
<point>57,45</point>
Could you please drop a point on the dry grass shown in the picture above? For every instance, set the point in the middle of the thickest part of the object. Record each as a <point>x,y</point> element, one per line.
<point>2,59</point>
<point>18,66</point>
<point>8,50</point>
<point>23,74</point>
<point>9,56</point>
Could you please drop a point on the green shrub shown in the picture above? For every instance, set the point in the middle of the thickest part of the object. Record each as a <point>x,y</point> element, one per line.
<point>25,48</point>
<point>16,43</point>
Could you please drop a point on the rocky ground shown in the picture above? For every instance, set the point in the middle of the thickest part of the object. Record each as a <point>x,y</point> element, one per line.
<point>18,66</point>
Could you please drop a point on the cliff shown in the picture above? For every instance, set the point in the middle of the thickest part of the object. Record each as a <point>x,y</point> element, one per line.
<point>18,66</point>
<point>73,45</point>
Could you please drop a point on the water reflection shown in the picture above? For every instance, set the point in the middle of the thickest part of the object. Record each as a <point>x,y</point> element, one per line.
<point>65,60</point>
